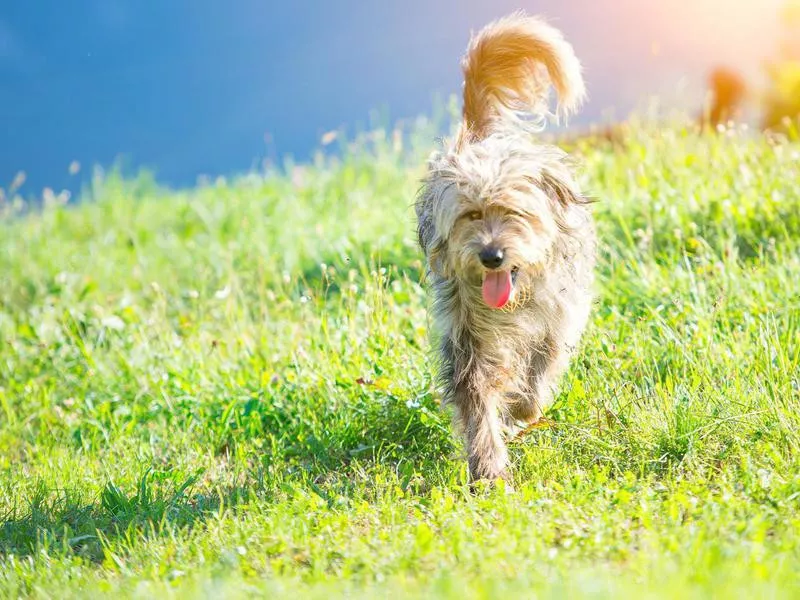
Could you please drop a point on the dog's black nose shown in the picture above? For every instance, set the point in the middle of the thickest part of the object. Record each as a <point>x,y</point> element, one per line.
<point>491,257</point>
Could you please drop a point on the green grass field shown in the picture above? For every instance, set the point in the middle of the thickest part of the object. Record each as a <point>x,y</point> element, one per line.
<point>227,391</point>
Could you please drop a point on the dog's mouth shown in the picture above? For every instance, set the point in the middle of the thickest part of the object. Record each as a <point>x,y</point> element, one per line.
<point>498,287</point>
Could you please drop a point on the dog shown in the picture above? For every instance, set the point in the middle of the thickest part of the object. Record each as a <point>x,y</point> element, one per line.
<point>508,239</point>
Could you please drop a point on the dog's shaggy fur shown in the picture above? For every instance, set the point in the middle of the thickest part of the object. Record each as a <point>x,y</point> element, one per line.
<point>500,211</point>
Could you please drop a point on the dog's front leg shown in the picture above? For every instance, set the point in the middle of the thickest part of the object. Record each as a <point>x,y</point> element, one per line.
<point>477,408</point>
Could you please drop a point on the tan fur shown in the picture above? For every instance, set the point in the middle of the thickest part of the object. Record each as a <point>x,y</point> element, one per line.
<point>494,185</point>
<point>503,73</point>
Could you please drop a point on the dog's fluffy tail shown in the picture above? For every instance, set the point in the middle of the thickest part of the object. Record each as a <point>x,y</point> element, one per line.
<point>508,69</point>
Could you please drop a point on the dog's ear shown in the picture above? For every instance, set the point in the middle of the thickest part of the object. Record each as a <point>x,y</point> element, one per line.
<point>425,231</point>
<point>562,194</point>
<point>431,243</point>
<point>436,259</point>
<point>558,190</point>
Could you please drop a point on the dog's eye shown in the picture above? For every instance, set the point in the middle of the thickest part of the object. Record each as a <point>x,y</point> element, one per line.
<point>474,215</point>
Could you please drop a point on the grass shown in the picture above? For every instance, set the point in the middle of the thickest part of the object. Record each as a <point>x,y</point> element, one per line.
<point>226,391</point>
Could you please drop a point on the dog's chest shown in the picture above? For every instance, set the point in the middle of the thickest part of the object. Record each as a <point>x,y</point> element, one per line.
<point>507,334</point>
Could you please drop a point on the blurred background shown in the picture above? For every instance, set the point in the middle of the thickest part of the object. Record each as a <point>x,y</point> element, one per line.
<point>187,88</point>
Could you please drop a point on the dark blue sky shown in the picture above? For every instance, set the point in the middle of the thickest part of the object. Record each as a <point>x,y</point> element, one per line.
<point>190,87</point>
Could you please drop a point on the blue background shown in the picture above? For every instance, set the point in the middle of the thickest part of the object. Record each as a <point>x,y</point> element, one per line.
<point>190,87</point>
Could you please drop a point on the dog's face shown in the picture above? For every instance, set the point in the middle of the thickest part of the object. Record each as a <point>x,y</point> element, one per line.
<point>491,213</point>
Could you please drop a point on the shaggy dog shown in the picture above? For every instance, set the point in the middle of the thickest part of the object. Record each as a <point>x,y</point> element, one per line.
<point>508,239</point>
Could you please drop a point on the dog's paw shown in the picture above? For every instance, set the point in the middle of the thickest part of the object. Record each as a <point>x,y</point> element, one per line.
<point>500,481</point>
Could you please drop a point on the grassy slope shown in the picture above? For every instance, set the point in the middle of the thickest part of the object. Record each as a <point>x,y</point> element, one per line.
<point>229,389</point>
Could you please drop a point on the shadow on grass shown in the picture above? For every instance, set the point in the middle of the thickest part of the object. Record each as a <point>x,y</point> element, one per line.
<point>62,520</point>
<point>310,445</point>
<point>303,431</point>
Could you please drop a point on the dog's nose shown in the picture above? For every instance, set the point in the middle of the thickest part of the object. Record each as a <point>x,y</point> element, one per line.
<point>491,257</point>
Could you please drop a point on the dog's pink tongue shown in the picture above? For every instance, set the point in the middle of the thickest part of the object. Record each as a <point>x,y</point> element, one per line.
<point>497,288</point>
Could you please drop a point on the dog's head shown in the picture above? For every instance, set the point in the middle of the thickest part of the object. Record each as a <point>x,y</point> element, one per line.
<point>493,211</point>
<point>494,203</point>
